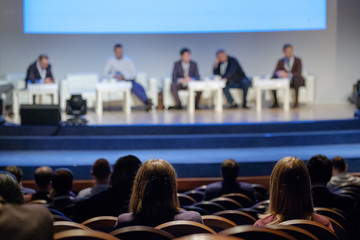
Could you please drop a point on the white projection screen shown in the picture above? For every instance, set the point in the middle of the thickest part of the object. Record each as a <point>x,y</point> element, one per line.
<point>171,16</point>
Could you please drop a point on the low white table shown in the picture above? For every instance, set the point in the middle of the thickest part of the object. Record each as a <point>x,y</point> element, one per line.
<point>272,84</point>
<point>36,89</point>
<point>108,87</point>
<point>202,85</point>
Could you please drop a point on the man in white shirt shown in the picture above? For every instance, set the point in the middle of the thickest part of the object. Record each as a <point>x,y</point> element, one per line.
<point>340,175</point>
<point>122,68</point>
<point>101,172</point>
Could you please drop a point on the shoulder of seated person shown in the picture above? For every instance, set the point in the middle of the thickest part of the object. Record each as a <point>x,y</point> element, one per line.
<point>187,215</point>
<point>320,219</point>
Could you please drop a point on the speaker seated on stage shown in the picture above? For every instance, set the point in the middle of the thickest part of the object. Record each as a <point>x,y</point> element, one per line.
<point>39,72</point>
<point>18,173</point>
<point>320,170</point>
<point>289,67</point>
<point>43,176</point>
<point>122,68</point>
<point>340,175</point>
<point>185,70</point>
<point>229,172</point>
<point>154,198</point>
<point>63,200</point>
<point>230,70</point>
<point>101,172</point>
<point>113,201</point>
<point>290,195</point>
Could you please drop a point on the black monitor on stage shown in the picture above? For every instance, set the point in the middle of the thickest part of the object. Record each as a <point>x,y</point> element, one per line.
<point>40,115</point>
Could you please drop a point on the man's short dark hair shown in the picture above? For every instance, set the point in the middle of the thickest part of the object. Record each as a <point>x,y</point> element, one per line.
<point>43,176</point>
<point>62,181</point>
<point>339,163</point>
<point>118,45</point>
<point>286,45</point>
<point>101,169</point>
<point>230,170</point>
<point>16,171</point>
<point>320,169</point>
<point>184,50</point>
<point>221,50</point>
<point>42,56</point>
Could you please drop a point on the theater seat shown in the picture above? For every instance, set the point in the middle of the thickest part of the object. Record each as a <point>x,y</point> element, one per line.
<point>103,223</point>
<point>61,226</point>
<point>78,234</point>
<point>217,223</point>
<point>253,232</point>
<point>240,218</point>
<point>208,237</point>
<point>296,232</point>
<point>141,232</point>
<point>319,230</point>
<point>183,228</point>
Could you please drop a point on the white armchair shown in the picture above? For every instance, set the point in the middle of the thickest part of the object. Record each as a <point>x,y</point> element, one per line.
<point>85,84</point>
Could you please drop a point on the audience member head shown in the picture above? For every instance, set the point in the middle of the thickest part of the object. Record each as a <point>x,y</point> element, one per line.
<point>43,176</point>
<point>118,50</point>
<point>185,55</point>
<point>288,50</point>
<point>221,55</point>
<point>124,171</point>
<point>10,190</point>
<point>339,165</point>
<point>154,195</point>
<point>290,190</point>
<point>101,171</point>
<point>62,182</point>
<point>320,169</point>
<point>43,61</point>
<point>229,170</point>
<point>16,171</point>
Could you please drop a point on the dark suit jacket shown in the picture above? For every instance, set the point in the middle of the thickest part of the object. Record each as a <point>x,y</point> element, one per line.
<point>296,70</point>
<point>218,189</point>
<point>178,71</point>
<point>322,197</point>
<point>111,202</point>
<point>33,73</point>
<point>233,73</point>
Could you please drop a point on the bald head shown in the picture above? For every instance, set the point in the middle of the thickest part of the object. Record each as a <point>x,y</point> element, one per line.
<point>43,177</point>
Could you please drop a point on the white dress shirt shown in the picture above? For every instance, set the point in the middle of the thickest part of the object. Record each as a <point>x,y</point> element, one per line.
<point>42,72</point>
<point>186,67</point>
<point>223,67</point>
<point>123,65</point>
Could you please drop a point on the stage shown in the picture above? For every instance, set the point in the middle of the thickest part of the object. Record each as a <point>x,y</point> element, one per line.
<point>195,144</point>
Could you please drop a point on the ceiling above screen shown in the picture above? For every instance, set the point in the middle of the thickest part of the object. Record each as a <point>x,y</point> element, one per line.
<point>175,16</point>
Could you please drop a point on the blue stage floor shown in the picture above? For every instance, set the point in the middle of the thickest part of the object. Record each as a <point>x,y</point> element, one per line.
<point>255,161</point>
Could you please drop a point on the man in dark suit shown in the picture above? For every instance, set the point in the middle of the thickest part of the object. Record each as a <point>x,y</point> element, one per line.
<point>115,200</point>
<point>320,171</point>
<point>289,67</point>
<point>43,176</point>
<point>184,71</point>
<point>229,172</point>
<point>230,70</point>
<point>62,183</point>
<point>40,70</point>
